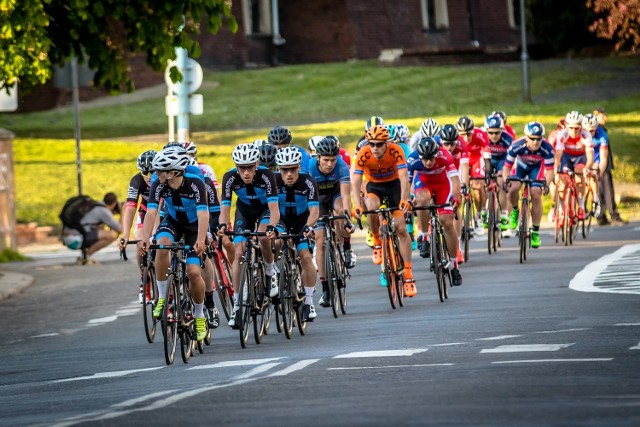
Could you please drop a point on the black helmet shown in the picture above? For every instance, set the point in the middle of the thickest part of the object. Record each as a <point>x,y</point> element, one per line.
<point>327,146</point>
<point>465,124</point>
<point>449,133</point>
<point>279,135</point>
<point>145,161</point>
<point>427,147</point>
<point>268,155</point>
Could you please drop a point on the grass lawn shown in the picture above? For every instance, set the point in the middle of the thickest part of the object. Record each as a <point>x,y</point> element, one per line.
<point>311,99</point>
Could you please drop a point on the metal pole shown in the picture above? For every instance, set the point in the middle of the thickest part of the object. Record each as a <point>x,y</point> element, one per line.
<point>526,94</point>
<point>183,96</point>
<point>76,118</point>
<point>172,129</point>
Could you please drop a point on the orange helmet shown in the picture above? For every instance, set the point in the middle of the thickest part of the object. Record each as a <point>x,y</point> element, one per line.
<point>377,133</point>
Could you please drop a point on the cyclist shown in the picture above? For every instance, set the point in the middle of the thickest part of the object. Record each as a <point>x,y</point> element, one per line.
<point>256,202</point>
<point>450,139</point>
<point>600,155</point>
<point>185,201</point>
<point>298,203</point>
<point>334,185</point>
<point>385,168</point>
<point>552,186</point>
<point>313,141</point>
<point>267,154</point>
<point>280,136</point>
<point>344,154</point>
<point>436,179</point>
<point>508,129</point>
<point>574,152</point>
<point>429,128</point>
<point>479,159</point>
<point>499,143</point>
<point>371,121</point>
<point>402,139</point>
<point>529,155</point>
<point>138,192</point>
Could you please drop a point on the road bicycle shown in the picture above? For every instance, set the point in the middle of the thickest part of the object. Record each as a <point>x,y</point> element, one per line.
<point>335,268</point>
<point>222,284</point>
<point>524,218</point>
<point>439,262</point>
<point>253,301</point>
<point>566,221</point>
<point>468,217</point>
<point>591,204</point>
<point>494,233</point>
<point>291,292</point>
<point>392,262</point>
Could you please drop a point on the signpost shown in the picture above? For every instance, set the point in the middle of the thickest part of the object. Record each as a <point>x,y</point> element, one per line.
<point>181,99</point>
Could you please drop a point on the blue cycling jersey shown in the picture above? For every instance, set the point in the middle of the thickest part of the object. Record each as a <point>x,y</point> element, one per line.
<point>330,183</point>
<point>253,196</point>
<point>183,203</point>
<point>295,200</point>
<point>600,139</point>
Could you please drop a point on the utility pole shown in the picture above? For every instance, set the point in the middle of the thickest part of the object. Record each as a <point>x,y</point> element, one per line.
<point>526,89</point>
<point>76,118</point>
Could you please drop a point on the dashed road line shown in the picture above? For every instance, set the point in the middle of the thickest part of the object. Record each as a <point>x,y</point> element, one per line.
<point>525,348</point>
<point>256,371</point>
<point>355,368</point>
<point>293,368</point>
<point>113,374</point>
<point>563,330</point>
<point>499,337</point>
<point>514,362</point>
<point>380,353</point>
<point>247,362</point>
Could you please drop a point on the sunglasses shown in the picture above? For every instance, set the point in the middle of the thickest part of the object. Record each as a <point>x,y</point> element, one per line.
<point>377,144</point>
<point>428,159</point>
<point>575,128</point>
<point>146,173</point>
<point>246,168</point>
<point>498,132</point>
<point>445,143</point>
<point>533,139</point>
<point>288,170</point>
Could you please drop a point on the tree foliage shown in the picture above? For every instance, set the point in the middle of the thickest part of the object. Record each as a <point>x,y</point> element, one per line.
<point>617,20</point>
<point>35,35</point>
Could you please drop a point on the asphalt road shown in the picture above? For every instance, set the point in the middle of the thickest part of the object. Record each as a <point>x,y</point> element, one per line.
<point>555,341</point>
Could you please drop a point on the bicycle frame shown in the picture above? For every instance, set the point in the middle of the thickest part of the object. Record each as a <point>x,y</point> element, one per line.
<point>291,291</point>
<point>524,230</point>
<point>336,272</point>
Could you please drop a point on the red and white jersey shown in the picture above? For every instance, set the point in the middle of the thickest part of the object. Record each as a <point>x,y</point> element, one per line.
<point>478,146</point>
<point>574,146</point>
<point>508,129</point>
<point>553,136</point>
<point>442,169</point>
<point>208,172</point>
<point>346,157</point>
<point>460,153</point>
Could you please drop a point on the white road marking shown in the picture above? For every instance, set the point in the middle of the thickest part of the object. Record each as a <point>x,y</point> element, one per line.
<point>295,367</point>
<point>447,344</point>
<point>381,353</point>
<point>627,324</point>
<point>128,312</point>
<point>137,400</point>
<point>585,279</point>
<point>635,347</point>
<point>100,375</point>
<point>562,330</point>
<point>507,362</point>
<point>499,337</point>
<point>388,366</point>
<point>103,320</point>
<point>53,334</point>
<point>255,371</point>
<point>248,362</point>
<point>524,348</point>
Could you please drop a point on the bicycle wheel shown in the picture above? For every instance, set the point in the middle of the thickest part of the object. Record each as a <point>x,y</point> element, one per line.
<point>186,324</point>
<point>343,275</point>
<point>389,269</point>
<point>286,298</point>
<point>466,227</point>
<point>436,256</point>
<point>588,202</point>
<point>299,290</point>
<point>491,223</point>
<point>558,218</point>
<point>567,217</point>
<point>446,272</point>
<point>245,302</point>
<point>574,219</point>
<point>222,278</point>
<point>169,321</point>
<point>261,303</point>
<point>150,296</point>
<point>399,271</point>
<point>331,273</point>
<point>524,231</point>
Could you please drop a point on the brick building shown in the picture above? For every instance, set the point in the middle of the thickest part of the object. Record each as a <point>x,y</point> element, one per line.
<point>316,31</point>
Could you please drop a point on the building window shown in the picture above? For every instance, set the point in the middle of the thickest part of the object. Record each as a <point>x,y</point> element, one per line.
<point>435,16</point>
<point>513,8</point>
<point>257,16</point>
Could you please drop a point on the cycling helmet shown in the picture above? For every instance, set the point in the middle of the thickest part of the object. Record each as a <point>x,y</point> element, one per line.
<point>573,118</point>
<point>534,130</point>
<point>268,154</point>
<point>334,139</point>
<point>145,161</point>
<point>427,147</point>
<point>465,124</point>
<point>562,123</point>
<point>288,156</point>
<point>327,147</point>
<point>377,133</point>
<point>313,142</point>
<point>393,132</point>
<point>494,122</point>
<point>590,122</point>
<point>430,127</point>
<point>449,133</point>
<point>173,144</point>
<point>193,161</point>
<point>373,121</point>
<point>402,132</point>
<point>245,154</point>
<point>260,142</point>
<point>279,135</point>
<point>500,113</point>
<point>171,159</point>
<point>191,148</point>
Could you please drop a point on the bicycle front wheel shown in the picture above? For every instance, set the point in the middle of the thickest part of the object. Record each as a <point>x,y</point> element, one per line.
<point>524,231</point>
<point>299,290</point>
<point>245,302</point>
<point>286,298</point>
<point>436,257</point>
<point>149,298</point>
<point>332,277</point>
<point>589,203</point>
<point>343,275</point>
<point>169,319</point>
<point>399,271</point>
<point>389,270</point>
<point>491,223</point>
<point>224,289</point>
<point>262,304</point>
<point>567,216</point>
<point>466,228</point>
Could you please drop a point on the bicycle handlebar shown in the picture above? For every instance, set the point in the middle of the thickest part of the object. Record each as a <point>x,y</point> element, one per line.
<point>431,207</point>
<point>375,211</point>
<point>123,251</point>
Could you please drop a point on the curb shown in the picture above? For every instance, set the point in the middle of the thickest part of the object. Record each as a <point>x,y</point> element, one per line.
<point>12,283</point>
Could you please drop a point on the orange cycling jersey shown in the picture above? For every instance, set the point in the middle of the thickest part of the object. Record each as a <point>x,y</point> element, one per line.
<point>380,170</point>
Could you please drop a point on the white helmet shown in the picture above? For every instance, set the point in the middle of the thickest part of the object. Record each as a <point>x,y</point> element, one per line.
<point>260,142</point>
<point>573,118</point>
<point>430,128</point>
<point>171,159</point>
<point>193,161</point>
<point>590,122</point>
<point>245,154</point>
<point>288,156</point>
<point>191,147</point>
<point>313,141</point>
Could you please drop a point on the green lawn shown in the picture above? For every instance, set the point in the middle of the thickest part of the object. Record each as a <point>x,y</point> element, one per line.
<point>311,99</point>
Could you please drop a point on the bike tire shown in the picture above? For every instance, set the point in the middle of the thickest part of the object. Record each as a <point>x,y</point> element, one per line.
<point>399,266</point>
<point>299,290</point>
<point>224,289</point>
<point>186,329</point>
<point>436,254</point>
<point>245,302</point>
<point>389,271</point>
<point>331,273</point>
<point>558,218</point>
<point>567,217</point>
<point>574,219</point>
<point>491,223</point>
<point>257,314</point>
<point>343,275</point>
<point>286,298</point>
<point>446,276</point>
<point>524,232</point>
<point>586,224</point>
<point>149,282</point>
<point>466,228</point>
<point>170,325</point>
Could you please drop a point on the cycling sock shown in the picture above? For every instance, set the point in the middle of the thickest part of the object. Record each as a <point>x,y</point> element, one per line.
<point>270,269</point>
<point>408,274</point>
<point>162,288</point>
<point>346,243</point>
<point>198,309</point>
<point>325,284</point>
<point>455,264</point>
<point>308,293</point>
<point>208,298</point>
<point>235,300</point>
<point>505,213</point>
<point>536,228</point>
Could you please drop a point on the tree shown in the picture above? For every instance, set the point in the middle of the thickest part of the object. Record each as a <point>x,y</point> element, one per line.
<point>619,21</point>
<point>35,35</point>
